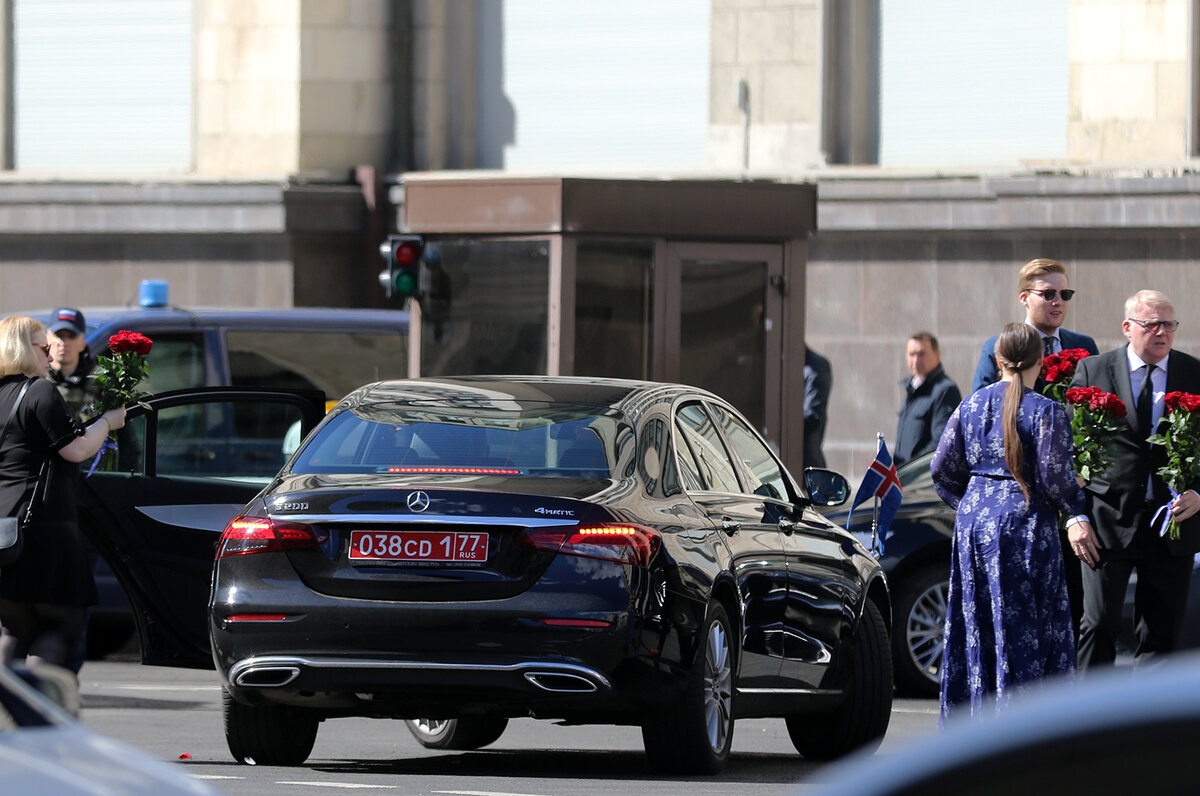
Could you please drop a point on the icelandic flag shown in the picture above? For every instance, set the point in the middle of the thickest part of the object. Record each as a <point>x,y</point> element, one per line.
<point>881,482</point>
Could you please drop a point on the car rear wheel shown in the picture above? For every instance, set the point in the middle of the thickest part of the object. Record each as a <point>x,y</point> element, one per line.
<point>918,628</point>
<point>468,733</point>
<point>694,735</point>
<point>862,718</point>
<point>268,735</point>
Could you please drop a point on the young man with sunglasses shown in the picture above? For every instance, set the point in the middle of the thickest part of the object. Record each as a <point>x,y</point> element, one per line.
<point>1042,290</point>
<point>1123,500</point>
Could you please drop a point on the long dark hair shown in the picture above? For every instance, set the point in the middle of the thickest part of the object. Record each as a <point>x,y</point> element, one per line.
<point>1018,348</point>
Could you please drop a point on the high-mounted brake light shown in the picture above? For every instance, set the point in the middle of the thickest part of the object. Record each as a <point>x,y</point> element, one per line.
<point>245,535</point>
<point>456,470</point>
<point>623,543</point>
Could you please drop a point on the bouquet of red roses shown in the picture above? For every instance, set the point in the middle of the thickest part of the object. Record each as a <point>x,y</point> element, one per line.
<point>118,376</point>
<point>1181,438</point>
<point>1093,426</point>
<point>1058,370</point>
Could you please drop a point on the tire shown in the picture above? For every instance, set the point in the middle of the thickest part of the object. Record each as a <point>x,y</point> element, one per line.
<point>469,733</point>
<point>862,718</point>
<point>917,630</point>
<point>268,735</point>
<point>693,736</point>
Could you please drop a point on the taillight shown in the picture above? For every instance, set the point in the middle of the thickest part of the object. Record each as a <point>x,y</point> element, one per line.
<point>245,535</point>
<point>625,544</point>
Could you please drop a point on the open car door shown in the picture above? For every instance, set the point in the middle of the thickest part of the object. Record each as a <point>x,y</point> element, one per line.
<point>155,507</point>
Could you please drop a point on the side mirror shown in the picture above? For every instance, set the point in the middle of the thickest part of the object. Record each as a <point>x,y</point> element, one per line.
<point>825,487</point>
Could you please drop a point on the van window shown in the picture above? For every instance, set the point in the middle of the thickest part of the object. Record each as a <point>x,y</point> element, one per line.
<point>176,362</point>
<point>334,362</point>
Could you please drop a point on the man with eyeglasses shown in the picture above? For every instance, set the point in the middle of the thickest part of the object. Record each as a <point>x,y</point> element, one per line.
<point>1042,290</point>
<point>1123,499</point>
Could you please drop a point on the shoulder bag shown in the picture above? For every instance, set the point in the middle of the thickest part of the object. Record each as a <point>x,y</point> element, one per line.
<point>11,528</point>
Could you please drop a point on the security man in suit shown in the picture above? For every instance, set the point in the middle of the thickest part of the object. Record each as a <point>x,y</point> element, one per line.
<point>1123,499</point>
<point>1042,290</point>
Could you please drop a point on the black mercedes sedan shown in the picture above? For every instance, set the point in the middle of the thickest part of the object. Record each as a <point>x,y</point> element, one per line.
<point>461,551</point>
<point>457,552</point>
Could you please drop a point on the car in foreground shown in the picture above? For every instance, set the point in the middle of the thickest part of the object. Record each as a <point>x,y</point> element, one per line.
<point>915,554</point>
<point>1118,731</point>
<point>457,552</point>
<point>45,750</point>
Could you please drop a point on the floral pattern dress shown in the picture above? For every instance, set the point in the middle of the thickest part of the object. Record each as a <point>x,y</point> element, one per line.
<point>1008,621</point>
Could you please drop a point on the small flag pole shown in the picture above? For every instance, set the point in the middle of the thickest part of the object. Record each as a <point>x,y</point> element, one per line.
<point>875,516</point>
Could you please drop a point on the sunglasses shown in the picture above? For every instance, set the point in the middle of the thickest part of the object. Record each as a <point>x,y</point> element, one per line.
<point>45,348</point>
<point>1051,293</point>
<point>1153,326</point>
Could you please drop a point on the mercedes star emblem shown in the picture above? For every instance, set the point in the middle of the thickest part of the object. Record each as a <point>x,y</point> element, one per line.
<point>418,501</point>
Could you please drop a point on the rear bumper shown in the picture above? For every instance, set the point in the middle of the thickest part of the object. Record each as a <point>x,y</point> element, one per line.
<point>444,689</point>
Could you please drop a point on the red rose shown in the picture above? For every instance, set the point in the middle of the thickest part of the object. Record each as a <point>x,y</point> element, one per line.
<point>125,340</point>
<point>1190,402</point>
<point>1081,396</point>
<point>1171,401</point>
<point>1111,404</point>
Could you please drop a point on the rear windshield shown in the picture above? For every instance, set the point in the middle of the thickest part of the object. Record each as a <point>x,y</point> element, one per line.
<point>506,438</point>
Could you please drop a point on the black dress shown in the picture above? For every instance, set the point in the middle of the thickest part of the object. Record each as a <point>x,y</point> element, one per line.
<point>52,568</point>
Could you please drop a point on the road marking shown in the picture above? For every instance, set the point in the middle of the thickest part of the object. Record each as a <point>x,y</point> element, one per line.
<point>132,687</point>
<point>213,776</point>
<point>485,793</point>
<point>347,785</point>
<point>926,711</point>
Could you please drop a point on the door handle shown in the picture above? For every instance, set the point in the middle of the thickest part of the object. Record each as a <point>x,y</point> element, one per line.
<point>787,526</point>
<point>730,525</point>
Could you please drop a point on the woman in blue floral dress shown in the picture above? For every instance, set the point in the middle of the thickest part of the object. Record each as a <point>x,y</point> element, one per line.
<point>1005,464</point>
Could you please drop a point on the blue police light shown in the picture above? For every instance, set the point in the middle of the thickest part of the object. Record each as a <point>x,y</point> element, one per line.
<point>152,293</point>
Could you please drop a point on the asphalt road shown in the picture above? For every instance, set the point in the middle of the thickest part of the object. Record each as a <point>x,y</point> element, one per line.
<point>175,715</point>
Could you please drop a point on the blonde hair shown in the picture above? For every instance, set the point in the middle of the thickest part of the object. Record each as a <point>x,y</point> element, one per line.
<point>1037,268</point>
<point>16,345</point>
<point>1146,298</point>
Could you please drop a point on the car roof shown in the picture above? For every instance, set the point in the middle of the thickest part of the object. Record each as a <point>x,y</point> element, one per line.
<point>102,320</point>
<point>630,396</point>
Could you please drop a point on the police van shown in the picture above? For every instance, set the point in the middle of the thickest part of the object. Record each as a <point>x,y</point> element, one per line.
<point>325,352</point>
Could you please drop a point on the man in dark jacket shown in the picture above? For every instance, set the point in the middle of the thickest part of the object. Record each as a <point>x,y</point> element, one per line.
<point>818,382</point>
<point>1043,292</point>
<point>71,363</point>
<point>930,397</point>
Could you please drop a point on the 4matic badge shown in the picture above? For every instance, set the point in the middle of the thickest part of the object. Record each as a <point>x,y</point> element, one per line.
<point>554,512</point>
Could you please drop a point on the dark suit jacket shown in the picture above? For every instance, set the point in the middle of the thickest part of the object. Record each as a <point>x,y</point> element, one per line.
<point>1117,497</point>
<point>987,371</point>
<point>924,414</point>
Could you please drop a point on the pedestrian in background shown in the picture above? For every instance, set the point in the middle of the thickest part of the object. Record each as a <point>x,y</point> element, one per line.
<point>1042,290</point>
<point>44,594</point>
<point>71,363</point>
<point>930,396</point>
<point>818,382</point>
<point>1004,463</point>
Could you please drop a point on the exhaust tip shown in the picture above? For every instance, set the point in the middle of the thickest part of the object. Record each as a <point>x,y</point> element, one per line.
<point>267,676</point>
<point>561,683</point>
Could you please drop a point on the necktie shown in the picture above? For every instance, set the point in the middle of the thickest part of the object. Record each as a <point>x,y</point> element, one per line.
<point>1145,402</point>
<point>1048,345</point>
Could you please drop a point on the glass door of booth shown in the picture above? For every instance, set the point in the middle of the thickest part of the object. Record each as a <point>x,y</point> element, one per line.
<point>725,304</point>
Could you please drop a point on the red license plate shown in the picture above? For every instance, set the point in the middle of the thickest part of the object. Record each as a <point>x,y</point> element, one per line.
<point>434,546</point>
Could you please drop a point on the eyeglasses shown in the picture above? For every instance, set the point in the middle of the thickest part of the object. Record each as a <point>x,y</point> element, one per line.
<point>43,347</point>
<point>1153,326</point>
<point>1049,294</point>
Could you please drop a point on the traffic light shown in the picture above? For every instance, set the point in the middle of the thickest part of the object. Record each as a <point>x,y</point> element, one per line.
<point>401,275</point>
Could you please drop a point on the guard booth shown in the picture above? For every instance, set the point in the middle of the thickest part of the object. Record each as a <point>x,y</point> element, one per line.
<point>693,281</point>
